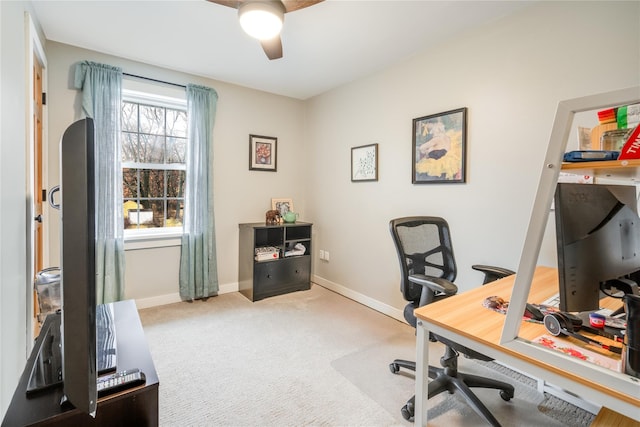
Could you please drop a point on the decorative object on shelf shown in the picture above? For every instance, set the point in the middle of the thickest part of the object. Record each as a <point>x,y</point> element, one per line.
<point>439,147</point>
<point>290,217</point>
<point>272,217</point>
<point>364,163</point>
<point>613,140</point>
<point>263,153</point>
<point>282,205</point>
<point>631,148</point>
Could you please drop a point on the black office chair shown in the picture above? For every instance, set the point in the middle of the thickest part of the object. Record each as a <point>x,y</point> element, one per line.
<point>428,269</point>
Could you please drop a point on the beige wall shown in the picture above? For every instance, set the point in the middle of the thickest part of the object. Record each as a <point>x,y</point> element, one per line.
<point>510,75</point>
<point>240,195</point>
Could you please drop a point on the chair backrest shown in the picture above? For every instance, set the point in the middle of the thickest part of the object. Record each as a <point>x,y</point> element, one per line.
<point>423,244</point>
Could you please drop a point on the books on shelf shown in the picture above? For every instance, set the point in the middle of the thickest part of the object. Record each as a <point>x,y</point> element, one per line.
<point>266,252</point>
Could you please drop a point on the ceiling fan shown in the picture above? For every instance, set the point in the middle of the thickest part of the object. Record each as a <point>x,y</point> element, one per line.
<point>263,19</point>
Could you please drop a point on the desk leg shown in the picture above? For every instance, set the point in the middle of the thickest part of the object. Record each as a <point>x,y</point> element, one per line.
<point>422,368</point>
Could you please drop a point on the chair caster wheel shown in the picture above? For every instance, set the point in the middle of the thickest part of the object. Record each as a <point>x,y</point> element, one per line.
<point>394,368</point>
<point>506,396</point>
<point>407,412</point>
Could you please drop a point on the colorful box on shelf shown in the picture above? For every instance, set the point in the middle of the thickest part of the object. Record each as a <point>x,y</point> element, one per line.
<point>631,148</point>
<point>628,116</point>
<point>607,116</point>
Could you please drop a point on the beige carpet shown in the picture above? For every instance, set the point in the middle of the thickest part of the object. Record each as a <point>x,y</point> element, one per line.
<point>308,358</point>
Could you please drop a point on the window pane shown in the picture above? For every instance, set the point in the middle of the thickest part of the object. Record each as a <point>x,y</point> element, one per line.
<point>176,150</point>
<point>151,149</point>
<point>153,135</point>
<point>143,216</point>
<point>175,183</point>
<point>131,214</point>
<point>175,210</point>
<point>151,119</point>
<point>129,117</point>
<point>151,183</point>
<point>129,183</point>
<point>157,207</point>
<point>177,123</point>
<point>129,147</point>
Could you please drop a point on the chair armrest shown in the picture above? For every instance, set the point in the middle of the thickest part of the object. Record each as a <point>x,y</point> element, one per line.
<point>435,284</point>
<point>492,273</point>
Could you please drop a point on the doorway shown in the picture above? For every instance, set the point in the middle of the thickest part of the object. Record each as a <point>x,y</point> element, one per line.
<point>36,223</point>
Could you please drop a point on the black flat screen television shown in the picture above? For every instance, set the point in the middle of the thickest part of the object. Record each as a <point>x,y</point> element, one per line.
<point>80,342</point>
<point>78,280</point>
<point>598,241</point>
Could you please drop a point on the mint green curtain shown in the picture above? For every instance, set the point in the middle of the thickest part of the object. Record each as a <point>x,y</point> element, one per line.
<point>198,268</point>
<point>101,87</point>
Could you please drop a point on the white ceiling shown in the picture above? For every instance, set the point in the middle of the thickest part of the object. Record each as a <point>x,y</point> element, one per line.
<point>325,45</point>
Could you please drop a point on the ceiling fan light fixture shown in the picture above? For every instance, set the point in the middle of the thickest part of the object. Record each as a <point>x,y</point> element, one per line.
<point>261,19</point>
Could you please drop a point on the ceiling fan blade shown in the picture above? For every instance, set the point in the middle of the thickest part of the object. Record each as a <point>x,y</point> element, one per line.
<point>293,5</point>
<point>230,3</point>
<point>272,47</point>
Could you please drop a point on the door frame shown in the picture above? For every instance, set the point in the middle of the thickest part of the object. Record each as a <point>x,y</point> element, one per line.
<point>34,51</point>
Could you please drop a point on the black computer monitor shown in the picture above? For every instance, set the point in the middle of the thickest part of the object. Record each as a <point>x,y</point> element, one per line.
<point>598,241</point>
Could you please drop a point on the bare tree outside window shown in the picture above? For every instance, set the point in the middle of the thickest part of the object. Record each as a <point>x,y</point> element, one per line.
<point>154,143</point>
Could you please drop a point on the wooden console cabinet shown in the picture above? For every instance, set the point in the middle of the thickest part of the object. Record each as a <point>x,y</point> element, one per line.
<point>262,279</point>
<point>135,407</point>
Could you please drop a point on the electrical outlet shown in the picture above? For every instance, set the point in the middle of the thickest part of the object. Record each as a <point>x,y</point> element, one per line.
<point>321,254</point>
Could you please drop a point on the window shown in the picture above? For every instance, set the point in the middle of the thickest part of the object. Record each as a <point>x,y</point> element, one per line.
<point>154,143</point>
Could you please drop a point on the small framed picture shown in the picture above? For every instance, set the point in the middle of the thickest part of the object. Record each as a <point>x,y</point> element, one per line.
<point>439,148</point>
<point>263,153</point>
<point>282,205</point>
<point>364,163</point>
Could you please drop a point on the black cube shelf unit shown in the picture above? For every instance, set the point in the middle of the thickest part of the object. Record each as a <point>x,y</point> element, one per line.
<point>287,273</point>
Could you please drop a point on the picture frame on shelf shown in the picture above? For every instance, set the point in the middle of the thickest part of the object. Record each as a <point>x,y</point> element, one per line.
<point>439,148</point>
<point>263,153</point>
<point>282,205</point>
<point>364,163</point>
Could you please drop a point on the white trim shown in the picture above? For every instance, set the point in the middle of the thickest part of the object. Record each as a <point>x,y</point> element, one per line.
<point>361,298</point>
<point>160,166</point>
<point>148,241</point>
<point>175,297</point>
<point>147,98</point>
<point>339,289</point>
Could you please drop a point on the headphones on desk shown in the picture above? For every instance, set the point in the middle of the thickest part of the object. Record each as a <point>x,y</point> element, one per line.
<point>559,323</point>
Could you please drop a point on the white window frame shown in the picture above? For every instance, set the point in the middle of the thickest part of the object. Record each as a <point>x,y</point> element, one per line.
<point>161,236</point>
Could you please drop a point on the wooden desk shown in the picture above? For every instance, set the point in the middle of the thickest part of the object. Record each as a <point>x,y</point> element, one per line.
<point>463,319</point>
<point>135,407</point>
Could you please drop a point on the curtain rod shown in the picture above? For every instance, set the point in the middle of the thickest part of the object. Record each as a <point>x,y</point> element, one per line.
<point>154,80</point>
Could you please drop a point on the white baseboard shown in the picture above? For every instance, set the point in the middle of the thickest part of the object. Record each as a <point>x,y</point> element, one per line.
<point>358,297</point>
<point>233,287</point>
<point>175,297</point>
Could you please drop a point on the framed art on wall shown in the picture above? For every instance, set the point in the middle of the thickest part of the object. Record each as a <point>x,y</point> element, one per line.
<point>282,205</point>
<point>263,153</point>
<point>364,163</point>
<point>439,147</point>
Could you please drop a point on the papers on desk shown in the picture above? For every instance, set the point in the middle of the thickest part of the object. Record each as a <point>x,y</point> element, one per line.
<point>566,347</point>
